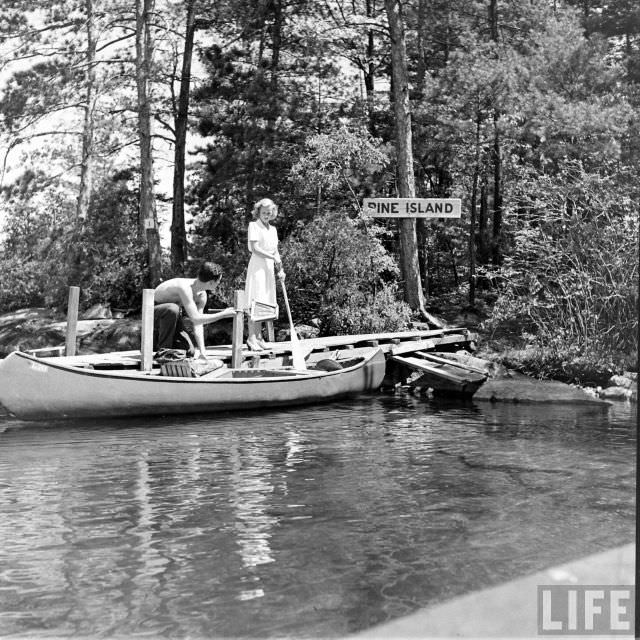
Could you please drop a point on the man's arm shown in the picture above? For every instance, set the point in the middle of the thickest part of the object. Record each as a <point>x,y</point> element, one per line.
<point>194,309</point>
<point>198,331</point>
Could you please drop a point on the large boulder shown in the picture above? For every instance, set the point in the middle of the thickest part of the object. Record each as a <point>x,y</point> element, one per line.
<point>521,388</point>
<point>28,329</point>
<point>105,336</point>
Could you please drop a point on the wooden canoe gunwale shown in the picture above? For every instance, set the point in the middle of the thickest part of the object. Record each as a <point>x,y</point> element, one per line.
<point>155,377</point>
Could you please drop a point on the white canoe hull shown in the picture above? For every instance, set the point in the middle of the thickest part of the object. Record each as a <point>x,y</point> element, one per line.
<point>38,388</point>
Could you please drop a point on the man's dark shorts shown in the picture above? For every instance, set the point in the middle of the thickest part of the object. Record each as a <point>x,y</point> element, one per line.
<point>169,331</point>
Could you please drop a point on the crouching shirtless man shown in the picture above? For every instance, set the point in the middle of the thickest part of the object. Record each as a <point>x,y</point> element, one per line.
<point>179,296</point>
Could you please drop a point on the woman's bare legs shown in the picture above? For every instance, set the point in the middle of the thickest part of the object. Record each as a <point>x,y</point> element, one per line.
<point>252,339</point>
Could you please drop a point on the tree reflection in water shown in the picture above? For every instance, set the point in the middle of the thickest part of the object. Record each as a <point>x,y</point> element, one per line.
<point>305,522</point>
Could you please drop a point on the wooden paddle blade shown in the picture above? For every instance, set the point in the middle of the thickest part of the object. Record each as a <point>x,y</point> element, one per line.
<point>297,354</point>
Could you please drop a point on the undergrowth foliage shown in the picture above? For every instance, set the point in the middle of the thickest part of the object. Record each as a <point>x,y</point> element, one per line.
<point>571,283</point>
<point>340,275</point>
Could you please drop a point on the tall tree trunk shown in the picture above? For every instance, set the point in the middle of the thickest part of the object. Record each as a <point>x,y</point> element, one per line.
<point>493,19</point>
<point>74,255</point>
<point>414,295</point>
<point>274,79</point>
<point>178,230</point>
<point>148,219</point>
<point>496,246</point>
<point>421,71</point>
<point>86,163</point>
<point>423,230</point>
<point>483,222</point>
<point>472,240</point>
<point>369,72</point>
<point>276,43</point>
<point>472,221</point>
<point>629,55</point>
<point>497,193</point>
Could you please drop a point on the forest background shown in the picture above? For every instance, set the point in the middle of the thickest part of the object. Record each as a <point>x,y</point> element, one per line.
<point>135,137</point>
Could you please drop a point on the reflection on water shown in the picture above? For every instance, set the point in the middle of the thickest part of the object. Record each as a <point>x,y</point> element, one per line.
<point>309,522</point>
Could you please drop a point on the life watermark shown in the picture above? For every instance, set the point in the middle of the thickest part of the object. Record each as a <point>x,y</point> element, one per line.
<point>586,610</point>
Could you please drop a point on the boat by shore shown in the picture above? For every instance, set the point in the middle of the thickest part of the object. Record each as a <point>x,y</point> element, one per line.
<point>34,388</point>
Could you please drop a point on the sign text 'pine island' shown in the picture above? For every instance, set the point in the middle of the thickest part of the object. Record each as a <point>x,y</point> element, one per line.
<point>412,207</point>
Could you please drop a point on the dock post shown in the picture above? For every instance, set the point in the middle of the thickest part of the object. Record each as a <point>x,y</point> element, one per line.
<point>146,330</point>
<point>271,335</point>
<point>72,321</point>
<point>238,328</point>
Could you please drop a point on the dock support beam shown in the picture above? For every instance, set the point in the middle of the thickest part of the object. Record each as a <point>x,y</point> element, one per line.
<point>146,330</point>
<point>238,328</point>
<point>72,321</point>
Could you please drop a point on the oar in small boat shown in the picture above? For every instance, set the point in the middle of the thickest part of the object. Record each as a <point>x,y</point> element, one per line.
<point>297,354</point>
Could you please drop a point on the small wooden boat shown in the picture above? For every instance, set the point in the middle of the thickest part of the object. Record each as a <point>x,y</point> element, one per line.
<point>35,388</point>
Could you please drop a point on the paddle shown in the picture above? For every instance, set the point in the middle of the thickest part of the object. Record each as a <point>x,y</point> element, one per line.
<point>296,348</point>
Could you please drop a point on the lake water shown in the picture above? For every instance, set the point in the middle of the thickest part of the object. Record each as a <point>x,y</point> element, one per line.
<point>308,522</point>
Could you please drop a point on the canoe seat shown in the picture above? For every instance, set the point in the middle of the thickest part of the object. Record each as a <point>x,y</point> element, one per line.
<point>180,369</point>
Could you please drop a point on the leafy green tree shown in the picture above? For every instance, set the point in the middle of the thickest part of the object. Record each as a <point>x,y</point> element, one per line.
<point>36,225</point>
<point>339,169</point>
<point>72,83</point>
<point>40,228</point>
<point>114,255</point>
<point>259,103</point>
<point>619,22</point>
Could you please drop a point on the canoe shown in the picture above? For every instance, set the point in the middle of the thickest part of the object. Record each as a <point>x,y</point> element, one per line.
<point>35,388</point>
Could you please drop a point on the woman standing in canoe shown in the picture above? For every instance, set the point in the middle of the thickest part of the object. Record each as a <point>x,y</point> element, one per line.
<point>260,285</point>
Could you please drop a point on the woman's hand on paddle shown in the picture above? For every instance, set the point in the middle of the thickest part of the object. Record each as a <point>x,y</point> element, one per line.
<point>281,274</point>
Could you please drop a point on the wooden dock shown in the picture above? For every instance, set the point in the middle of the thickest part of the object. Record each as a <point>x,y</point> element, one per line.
<point>393,343</point>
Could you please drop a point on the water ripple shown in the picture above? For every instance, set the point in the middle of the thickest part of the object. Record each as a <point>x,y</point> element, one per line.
<point>308,522</point>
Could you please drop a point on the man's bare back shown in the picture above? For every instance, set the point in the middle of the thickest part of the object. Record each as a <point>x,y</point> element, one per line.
<point>179,291</point>
<point>191,295</point>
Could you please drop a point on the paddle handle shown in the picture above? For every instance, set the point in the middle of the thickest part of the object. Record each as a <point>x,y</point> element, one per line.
<point>286,304</point>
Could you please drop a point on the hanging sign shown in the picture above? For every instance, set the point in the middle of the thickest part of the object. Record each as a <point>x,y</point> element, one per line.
<point>412,207</point>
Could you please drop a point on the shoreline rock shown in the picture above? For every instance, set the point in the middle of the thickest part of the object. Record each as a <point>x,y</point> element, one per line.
<point>523,389</point>
<point>621,387</point>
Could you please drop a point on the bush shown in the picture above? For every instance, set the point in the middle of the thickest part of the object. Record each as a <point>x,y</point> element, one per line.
<point>379,312</point>
<point>572,279</point>
<point>339,274</point>
<point>22,285</point>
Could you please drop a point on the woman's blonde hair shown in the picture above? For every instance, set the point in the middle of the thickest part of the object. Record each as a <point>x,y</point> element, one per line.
<point>261,204</point>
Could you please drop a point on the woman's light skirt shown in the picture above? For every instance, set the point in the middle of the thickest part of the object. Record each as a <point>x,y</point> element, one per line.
<point>260,283</point>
